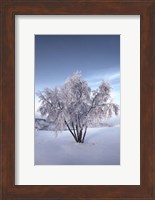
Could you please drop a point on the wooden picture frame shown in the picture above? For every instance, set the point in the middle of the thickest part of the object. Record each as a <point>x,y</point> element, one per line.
<point>8,10</point>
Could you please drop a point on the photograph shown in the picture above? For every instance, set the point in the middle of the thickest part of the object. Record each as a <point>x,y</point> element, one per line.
<point>77,100</point>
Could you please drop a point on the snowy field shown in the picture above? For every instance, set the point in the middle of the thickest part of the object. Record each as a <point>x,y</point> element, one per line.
<point>101,147</point>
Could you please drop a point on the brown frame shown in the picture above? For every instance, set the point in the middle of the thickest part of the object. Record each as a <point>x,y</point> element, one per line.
<point>8,10</point>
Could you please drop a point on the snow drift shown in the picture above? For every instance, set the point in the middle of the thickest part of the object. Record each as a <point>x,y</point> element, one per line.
<point>101,147</point>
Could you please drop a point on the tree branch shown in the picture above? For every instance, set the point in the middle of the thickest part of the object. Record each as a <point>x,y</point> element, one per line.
<point>42,96</point>
<point>70,130</point>
<point>92,104</point>
<point>78,118</point>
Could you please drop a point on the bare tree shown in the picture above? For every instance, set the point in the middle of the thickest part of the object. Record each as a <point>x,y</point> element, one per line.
<point>76,106</point>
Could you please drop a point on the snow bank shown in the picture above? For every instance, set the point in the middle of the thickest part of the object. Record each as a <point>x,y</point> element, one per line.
<point>101,147</point>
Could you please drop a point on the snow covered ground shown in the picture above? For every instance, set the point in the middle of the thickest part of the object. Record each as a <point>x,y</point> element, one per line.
<point>101,147</point>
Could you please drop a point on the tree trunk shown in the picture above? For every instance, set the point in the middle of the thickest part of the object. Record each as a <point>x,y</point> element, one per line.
<point>84,134</point>
<point>81,135</point>
<point>77,132</point>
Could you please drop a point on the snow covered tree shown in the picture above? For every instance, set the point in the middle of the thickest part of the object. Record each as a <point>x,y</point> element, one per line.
<point>76,107</point>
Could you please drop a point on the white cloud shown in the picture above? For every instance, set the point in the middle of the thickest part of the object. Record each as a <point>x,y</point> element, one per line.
<point>102,76</point>
<point>116,96</point>
<point>95,80</point>
<point>113,76</point>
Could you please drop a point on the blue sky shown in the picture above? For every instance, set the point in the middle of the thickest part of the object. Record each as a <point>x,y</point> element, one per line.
<point>59,56</point>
